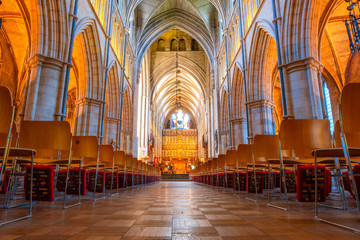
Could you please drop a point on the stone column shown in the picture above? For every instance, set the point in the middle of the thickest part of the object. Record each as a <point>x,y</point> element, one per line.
<point>45,88</point>
<point>239,133</point>
<point>303,89</point>
<point>110,129</point>
<point>87,120</point>
<point>261,117</point>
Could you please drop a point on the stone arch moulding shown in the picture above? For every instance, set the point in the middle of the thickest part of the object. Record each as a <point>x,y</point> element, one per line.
<point>88,29</point>
<point>261,39</point>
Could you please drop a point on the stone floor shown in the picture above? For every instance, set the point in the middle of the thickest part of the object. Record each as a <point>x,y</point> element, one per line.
<point>172,210</point>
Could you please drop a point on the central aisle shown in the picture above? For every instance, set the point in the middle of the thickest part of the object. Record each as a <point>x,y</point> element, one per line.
<point>170,210</point>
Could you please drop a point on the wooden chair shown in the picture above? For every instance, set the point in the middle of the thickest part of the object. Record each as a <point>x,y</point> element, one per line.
<point>266,153</point>
<point>120,163</point>
<point>52,140</point>
<point>8,150</point>
<point>231,167</point>
<point>111,175</point>
<point>129,170</point>
<point>350,145</point>
<point>87,149</point>
<point>135,172</point>
<point>244,157</point>
<point>208,172</point>
<point>302,137</point>
<point>214,174</point>
<point>6,123</point>
<point>141,172</point>
<point>221,173</point>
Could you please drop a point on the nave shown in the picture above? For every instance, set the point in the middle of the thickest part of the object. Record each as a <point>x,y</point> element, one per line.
<point>173,210</point>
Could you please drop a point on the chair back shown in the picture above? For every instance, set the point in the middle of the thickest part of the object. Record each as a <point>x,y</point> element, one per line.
<point>119,159</point>
<point>350,113</point>
<point>208,166</point>
<point>266,147</point>
<point>336,135</point>
<point>14,139</point>
<point>135,164</point>
<point>48,138</point>
<point>230,158</point>
<point>304,135</point>
<point>6,109</point>
<point>107,155</point>
<point>129,163</point>
<point>244,154</point>
<point>221,161</point>
<point>214,164</point>
<point>86,148</point>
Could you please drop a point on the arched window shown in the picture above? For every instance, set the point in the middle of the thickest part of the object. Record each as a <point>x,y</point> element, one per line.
<point>328,106</point>
<point>194,45</point>
<point>180,120</point>
<point>182,45</point>
<point>173,45</point>
<point>161,45</point>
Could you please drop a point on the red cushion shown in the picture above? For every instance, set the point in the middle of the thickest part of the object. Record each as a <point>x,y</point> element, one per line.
<point>100,183</point>
<point>242,181</point>
<point>129,179</point>
<point>347,186</point>
<point>259,181</point>
<point>5,183</point>
<point>43,183</point>
<point>73,187</point>
<point>305,189</point>
<point>290,181</point>
<point>108,180</point>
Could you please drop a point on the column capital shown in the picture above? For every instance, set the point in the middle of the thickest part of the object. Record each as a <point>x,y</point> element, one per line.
<point>39,59</point>
<point>261,102</point>
<point>303,64</point>
<point>89,101</point>
<point>238,121</point>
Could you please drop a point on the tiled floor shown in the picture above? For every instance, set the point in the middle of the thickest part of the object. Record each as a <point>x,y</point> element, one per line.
<point>172,210</point>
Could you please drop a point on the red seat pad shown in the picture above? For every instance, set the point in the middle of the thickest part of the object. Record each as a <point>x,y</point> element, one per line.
<point>129,179</point>
<point>108,180</point>
<point>221,179</point>
<point>239,180</point>
<point>290,182</point>
<point>357,178</point>
<point>100,182</point>
<point>230,179</point>
<point>214,180</point>
<point>135,179</point>
<point>328,182</point>
<point>305,189</point>
<point>347,186</point>
<point>259,181</point>
<point>6,181</point>
<point>73,184</point>
<point>43,183</point>
<point>277,179</point>
<point>121,178</point>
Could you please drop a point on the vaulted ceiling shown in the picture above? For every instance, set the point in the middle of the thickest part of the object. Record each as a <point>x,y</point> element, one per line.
<point>202,19</point>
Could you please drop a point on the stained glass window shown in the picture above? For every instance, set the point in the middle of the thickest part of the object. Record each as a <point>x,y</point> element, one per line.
<point>328,106</point>
<point>180,120</point>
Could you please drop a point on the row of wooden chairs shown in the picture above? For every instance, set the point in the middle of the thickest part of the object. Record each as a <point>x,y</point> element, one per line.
<point>51,162</point>
<point>303,159</point>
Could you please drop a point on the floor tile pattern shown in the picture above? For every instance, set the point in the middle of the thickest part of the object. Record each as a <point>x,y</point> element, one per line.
<point>172,210</point>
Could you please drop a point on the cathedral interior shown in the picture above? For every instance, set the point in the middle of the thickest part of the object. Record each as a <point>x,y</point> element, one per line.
<point>179,119</point>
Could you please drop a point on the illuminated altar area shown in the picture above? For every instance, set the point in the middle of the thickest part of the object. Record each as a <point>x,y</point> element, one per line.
<point>179,149</point>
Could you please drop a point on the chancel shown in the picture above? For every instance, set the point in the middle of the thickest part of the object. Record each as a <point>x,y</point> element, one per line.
<point>179,119</point>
